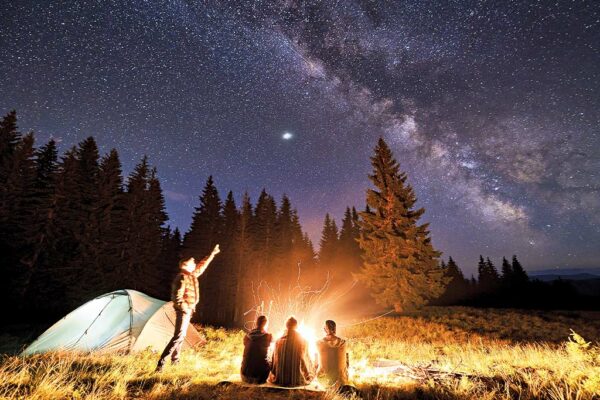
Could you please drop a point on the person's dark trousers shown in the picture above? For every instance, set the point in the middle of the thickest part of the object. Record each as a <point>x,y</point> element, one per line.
<point>182,321</point>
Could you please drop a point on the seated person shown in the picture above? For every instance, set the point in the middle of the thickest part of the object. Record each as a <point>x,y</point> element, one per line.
<point>291,363</point>
<point>255,364</point>
<point>332,369</point>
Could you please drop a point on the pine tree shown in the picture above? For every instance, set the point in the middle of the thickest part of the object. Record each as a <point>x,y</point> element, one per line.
<point>349,254</point>
<point>154,270</point>
<point>457,289</point>
<point>347,230</point>
<point>302,262</point>
<point>63,254</point>
<point>133,251</point>
<point>507,272</point>
<point>41,232</point>
<point>224,275</point>
<point>489,279</point>
<point>265,217</point>
<point>328,247</point>
<point>401,266</point>
<point>17,211</point>
<point>493,274</point>
<point>86,277</point>
<point>112,220</point>
<point>205,232</point>
<point>481,271</point>
<point>520,277</point>
<point>10,137</point>
<point>170,257</point>
<point>284,242</point>
<point>284,227</point>
<point>78,203</point>
<point>243,261</point>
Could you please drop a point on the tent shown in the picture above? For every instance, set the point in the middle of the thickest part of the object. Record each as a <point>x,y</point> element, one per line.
<point>120,321</point>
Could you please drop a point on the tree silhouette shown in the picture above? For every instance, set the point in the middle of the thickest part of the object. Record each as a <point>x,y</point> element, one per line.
<point>401,267</point>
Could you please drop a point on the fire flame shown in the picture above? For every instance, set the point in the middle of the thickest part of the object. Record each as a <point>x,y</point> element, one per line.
<point>309,334</point>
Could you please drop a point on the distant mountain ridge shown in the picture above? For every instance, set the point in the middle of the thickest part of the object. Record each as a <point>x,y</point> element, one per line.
<point>565,273</point>
<point>566,277</point>
<point>585,280</point>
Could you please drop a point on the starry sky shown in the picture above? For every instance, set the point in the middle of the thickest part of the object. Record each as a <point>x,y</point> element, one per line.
<point>491,107</point>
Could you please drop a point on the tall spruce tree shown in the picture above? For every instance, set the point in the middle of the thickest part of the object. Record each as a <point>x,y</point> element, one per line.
<point>401,267</point>
<point>170,257</point>
<point>264,234</point>
<point>489,279</point>
<point>507,273</point>
<point>520,277</point>
<point>349,254</point>
<point>243,275</point>
<point>42,231</point>
<point>224,275</point>
<point>328,246</point>
<point>346,231</point>
<point>112,220</point>
<point>205,232</point>
<point>155,271</point>
<point>10,137</point>
<point>63,254</point>
<point>457,289</point>
<point>302,262</point>
<point>284,242</point>
<point>17,212</point>
<point>134,254</point>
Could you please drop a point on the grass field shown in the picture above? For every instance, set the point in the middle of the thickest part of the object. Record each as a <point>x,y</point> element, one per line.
<point>444,353</point>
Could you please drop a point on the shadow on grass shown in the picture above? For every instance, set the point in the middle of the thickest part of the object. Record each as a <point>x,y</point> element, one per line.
<point>370,392</point>
<point>235,392</point>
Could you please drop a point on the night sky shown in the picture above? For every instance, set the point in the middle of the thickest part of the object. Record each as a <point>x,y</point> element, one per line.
<point>492,109</point>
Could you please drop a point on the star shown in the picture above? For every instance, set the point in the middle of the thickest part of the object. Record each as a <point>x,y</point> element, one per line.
<point>501,147</point>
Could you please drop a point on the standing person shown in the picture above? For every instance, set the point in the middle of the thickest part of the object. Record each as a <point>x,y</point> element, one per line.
<point>185,295</point>
<point>291,363</point>
<point>255,364</point>
<point>332,369</point>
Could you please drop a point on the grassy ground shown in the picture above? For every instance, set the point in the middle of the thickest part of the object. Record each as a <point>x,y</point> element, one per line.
<point>445,353</point>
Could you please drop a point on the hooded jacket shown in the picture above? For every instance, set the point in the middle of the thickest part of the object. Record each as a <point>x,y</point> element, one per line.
<point>333,361</point>
<point>255,364</point>
<point>185,291</point>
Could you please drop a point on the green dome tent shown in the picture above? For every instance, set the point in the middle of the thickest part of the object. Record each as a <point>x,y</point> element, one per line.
<point>120,321</point>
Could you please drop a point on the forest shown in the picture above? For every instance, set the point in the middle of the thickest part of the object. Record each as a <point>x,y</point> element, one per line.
<point>72,227</point>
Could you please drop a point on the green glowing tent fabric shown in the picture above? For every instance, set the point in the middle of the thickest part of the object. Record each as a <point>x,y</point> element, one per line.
<point>121,321</point>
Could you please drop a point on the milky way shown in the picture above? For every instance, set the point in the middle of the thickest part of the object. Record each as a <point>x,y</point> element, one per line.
<point>492,109</point>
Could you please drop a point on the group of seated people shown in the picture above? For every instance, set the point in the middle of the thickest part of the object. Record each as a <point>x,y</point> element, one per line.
<point>291,364</point>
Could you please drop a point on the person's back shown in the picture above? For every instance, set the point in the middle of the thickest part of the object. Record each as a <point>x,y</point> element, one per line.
<point>333,358</point>
<point>255,364</point>
<point>291,364</point>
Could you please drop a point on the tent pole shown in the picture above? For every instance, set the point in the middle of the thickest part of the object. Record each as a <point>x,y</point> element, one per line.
<point>97,316</point>
<point>130,322</point>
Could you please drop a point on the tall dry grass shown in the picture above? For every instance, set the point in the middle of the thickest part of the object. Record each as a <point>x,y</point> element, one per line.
<point>431,355</point>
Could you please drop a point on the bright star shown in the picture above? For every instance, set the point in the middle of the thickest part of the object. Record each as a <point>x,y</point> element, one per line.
<point>287,135</point>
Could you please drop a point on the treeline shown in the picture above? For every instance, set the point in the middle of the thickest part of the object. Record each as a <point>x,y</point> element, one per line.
<point>339,253</point>
<point>263,251</point>
<point>510,287</point>
<point>72,228</point>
